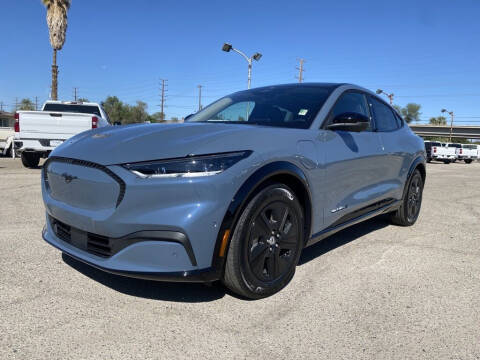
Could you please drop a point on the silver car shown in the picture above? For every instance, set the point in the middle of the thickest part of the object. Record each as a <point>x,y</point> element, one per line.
<point>238,190</point>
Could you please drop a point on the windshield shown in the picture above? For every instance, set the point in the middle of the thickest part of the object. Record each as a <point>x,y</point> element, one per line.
<point>281,106</point>
<point>455,145</point>
<point>72,108</point>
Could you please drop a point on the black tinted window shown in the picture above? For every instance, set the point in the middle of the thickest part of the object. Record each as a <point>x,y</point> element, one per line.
<point>384,118</point>
<point>83,109</point>
<point>350,103</point>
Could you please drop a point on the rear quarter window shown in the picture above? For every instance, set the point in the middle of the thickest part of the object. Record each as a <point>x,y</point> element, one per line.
<point>385,119</point>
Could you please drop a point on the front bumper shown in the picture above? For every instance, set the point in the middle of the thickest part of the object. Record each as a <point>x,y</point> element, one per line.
<point>142,257</point>
<point>111,202</point>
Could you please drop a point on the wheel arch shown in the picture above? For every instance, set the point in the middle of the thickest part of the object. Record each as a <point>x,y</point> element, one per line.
<point>280,171</point>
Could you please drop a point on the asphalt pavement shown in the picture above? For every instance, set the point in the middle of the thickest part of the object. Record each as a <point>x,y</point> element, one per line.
<point>374,291</point>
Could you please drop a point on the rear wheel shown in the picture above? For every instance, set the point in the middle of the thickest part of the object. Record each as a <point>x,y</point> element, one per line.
<point>266,244</point>
<point>30,160</point>
<point>468,161</point>
<point>446,161</point>
<point>408,212</point>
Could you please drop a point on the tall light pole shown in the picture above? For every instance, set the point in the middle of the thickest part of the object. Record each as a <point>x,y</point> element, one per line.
<point>390,96</point>
<point>227,47</point>
<point>451,122</point>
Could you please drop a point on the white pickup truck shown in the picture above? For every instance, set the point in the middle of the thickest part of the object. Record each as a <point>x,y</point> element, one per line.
<point>467,153</point>
<point>440,152</point>
<point>37,133</point>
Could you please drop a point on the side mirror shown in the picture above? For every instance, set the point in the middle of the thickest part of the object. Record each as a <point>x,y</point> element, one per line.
<point>349,121</point>
<point>117,123</point>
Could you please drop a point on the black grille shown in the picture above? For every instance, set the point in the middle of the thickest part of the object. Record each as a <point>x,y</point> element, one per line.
<point>94,244</point>
<point>106,170</point>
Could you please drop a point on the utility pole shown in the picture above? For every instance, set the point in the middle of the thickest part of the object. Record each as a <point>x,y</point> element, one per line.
<point>162,98</point>
<point>1,106</point>
<point>75,93</point>
<point>199,97</point>
<point>300,70</point>
<point>16,104</point>
<point>36,103</point>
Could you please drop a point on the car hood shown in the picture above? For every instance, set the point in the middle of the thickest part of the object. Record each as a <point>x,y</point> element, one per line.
<point>142,142</point>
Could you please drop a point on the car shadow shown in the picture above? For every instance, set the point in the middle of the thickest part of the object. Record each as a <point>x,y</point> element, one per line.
<point>149,289</point>
<point>342,237</point>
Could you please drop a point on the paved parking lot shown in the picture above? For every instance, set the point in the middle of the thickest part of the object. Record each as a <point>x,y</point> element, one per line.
<point>373,291</point>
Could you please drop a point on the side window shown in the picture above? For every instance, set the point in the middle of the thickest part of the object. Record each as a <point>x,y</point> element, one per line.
<point>348,103</point>
<point>384,118</point>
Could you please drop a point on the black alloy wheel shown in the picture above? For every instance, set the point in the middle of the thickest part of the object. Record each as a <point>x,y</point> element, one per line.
<point>266,243</point>
<point>409,210</point>
<point>414,198</point>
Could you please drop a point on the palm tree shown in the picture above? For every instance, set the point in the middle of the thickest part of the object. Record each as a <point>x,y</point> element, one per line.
<point>57,26</point>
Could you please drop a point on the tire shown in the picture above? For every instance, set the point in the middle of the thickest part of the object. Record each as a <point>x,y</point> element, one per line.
<point>429,160</point>
<point>30,160</point>
<point>408,212</point>
<point>454,160</point>
<point>266,244</point>
<point>446,161</point>
<point>468,161</point>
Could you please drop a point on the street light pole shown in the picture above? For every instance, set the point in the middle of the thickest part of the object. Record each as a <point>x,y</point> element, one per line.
<point>451,122</point>
<point>227,47</point>
<point>390,96</point>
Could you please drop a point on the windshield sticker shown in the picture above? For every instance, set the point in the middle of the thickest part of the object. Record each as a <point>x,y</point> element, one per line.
<point>303,112</point>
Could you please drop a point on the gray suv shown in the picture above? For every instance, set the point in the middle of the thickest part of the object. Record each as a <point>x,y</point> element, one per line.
<point>237,191</point>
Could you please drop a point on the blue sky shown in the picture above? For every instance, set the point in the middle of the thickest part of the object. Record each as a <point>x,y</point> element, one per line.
<point>423,51</point>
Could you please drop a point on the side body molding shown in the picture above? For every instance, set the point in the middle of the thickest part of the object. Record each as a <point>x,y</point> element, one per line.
<point>244,194</point>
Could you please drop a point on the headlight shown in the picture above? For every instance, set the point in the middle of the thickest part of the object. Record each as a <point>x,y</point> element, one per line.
<point>191,166</point>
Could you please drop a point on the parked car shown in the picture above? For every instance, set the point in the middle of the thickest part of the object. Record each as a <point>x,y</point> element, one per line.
<point>37,133</point>
<point>236,192</point>
<point>467,153</point>
<point>6,140</point>
<point>439,152</point>
<point>454,147</point>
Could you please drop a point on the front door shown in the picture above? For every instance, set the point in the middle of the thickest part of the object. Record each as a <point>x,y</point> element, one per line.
<point>353,179</point>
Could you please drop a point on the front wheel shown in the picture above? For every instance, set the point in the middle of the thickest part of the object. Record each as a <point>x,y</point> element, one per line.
<point>468,161</point>
<point>30,159</point>
<point>266,244</point>
<point>408,212</point>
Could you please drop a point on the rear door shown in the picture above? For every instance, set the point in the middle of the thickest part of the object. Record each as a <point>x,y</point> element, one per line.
<point>353,164</point>
<point>389,127</point>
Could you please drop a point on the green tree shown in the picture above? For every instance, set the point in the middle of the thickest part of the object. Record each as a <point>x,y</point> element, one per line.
<point>57,26</point>
<point>411,112</point>
<point>157,117</point>
<point>116,110</point>
<point>174,118</point>
<point>83,100</point>
<point>439,120</point>
<point>138,113</point>
<point>26,104</point>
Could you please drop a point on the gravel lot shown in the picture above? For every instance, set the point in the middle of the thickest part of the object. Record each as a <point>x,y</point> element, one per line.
<point>371,291</point>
